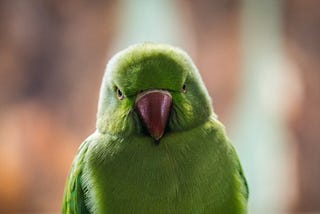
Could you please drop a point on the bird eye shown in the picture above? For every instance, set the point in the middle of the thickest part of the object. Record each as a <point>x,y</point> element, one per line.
<point>184,88</point>
<point>119,94</point>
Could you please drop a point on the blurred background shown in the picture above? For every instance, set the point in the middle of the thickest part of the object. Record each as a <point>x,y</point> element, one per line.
<point>259,60</point>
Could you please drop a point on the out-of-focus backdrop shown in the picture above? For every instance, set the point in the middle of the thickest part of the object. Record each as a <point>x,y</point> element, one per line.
<point>259,59</point>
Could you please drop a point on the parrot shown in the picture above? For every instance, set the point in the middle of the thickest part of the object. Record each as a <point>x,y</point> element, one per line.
<point>158,146</point>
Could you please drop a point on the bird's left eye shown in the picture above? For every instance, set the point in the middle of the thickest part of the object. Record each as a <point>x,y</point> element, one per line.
<point>119,94</point>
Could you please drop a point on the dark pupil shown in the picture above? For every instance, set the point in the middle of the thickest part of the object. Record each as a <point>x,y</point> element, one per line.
<point>184,87</point>
<point>119,93</point>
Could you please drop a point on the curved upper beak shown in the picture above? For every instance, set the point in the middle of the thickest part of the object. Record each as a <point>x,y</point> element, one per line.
<point>153,108</point>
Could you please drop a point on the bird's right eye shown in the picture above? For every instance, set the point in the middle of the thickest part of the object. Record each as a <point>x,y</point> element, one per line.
<point>119,94</point>
<point>184,88</point>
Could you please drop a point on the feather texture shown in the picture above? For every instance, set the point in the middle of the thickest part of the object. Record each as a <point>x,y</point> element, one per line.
<point>119,169</point>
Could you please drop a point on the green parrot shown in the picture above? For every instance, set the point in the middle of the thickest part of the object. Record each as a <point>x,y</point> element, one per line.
<point>158,146</point>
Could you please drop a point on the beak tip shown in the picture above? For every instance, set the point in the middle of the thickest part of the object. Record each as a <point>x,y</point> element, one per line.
<point>157,138</point>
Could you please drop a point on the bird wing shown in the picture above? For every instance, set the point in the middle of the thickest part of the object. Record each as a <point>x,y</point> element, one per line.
<point>234,155</point>
<point>74,198</point>
<point>244,182</point>
<point>245,189</point>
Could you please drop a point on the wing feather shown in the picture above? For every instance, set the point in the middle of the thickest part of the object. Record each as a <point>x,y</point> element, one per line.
<point>74,197</point>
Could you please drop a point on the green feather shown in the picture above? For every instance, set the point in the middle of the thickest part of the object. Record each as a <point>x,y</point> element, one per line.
<point>119,169</point>
<point>74,198</point>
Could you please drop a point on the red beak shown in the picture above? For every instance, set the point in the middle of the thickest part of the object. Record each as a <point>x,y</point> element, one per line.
<point>153,108</point>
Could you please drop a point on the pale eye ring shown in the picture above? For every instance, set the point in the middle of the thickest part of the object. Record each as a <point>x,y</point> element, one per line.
<point>119,94</point>
<point>184,88</point>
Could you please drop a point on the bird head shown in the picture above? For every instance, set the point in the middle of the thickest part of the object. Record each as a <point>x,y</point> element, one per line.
<point>151,90</point>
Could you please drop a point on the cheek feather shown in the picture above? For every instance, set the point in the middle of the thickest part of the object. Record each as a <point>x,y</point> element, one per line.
<point>181,116</point>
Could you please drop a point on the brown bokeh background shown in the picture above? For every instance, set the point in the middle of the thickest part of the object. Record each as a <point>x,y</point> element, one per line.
<point>52,57</point>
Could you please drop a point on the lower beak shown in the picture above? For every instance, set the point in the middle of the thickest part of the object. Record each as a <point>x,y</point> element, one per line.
<point>153,108</point>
